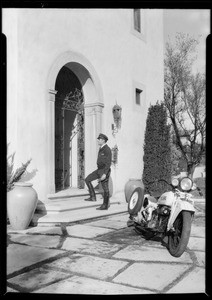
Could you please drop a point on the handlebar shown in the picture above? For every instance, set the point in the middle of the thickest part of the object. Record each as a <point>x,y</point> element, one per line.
<point>158,180</point>
<point>173,187</point>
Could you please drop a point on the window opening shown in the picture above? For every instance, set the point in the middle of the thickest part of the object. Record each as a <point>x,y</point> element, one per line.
<point>137,20</point>
<point>138,96</point>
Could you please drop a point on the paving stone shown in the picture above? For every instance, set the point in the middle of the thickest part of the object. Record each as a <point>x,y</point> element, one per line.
<point>197,231</point>
<point>11,230</point>
<point>82,285</point>
<point>200,258</point>
<point>150,243</point>
<point>201,206</point>
<point>196,243</point>
<point>37,240</point>
<point>153,276</point>
<point>194,282</point>
<point>114,224</point>
<point>144,253</point>
<point>86,231</point>
<point>90,246</point>
<point>37,278</point>
<point>45,230</point>
<point>10,290</point>
<point>122,236</point>
<point>200,221</point>
<point>62,263</point>
<point>37,229</point>
<point>90,266</point>
<point>20,256</point>
<point>122,218</point>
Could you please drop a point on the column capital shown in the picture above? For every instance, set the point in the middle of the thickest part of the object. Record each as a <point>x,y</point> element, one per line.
<point>94,104</point>
<point>52,94</point>
<point>93,108</point>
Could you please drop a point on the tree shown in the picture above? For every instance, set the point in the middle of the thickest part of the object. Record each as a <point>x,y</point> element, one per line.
<point>184,98</point>
<point>157,151</point>
<point>175,158</point>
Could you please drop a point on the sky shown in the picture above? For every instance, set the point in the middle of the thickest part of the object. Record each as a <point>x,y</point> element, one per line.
<point>196,23</point>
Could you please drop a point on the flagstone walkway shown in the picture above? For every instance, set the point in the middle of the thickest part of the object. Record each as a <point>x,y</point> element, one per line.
<point>102,256</point>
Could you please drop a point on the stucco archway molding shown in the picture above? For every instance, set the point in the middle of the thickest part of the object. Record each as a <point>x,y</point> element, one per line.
<point>71,56</point>
<point>93,97</point>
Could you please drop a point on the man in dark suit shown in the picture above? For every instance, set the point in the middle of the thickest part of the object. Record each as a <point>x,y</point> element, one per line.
<point>102,173</point>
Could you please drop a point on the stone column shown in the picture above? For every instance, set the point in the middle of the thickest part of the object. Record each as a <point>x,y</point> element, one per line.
<point>50,172</point>
<point>93,126</point>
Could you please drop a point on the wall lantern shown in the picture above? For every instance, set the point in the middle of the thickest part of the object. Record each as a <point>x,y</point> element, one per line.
<point>117,115</point>
<point>114,151</point>
<point>117,110</point>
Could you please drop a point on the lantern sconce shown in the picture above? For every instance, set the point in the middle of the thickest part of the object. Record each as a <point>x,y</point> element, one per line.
<point>114,151</point>
<point>117,110</point>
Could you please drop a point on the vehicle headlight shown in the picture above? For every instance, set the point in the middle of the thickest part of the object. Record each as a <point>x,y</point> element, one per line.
<point>175,182</point>
<point>186,184</point>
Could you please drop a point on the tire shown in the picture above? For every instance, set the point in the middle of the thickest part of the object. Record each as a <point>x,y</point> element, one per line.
<point>178,240</point>
<point>135,201</point>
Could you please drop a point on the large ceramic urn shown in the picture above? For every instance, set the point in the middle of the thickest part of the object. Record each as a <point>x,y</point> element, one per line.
<point>21,204</point>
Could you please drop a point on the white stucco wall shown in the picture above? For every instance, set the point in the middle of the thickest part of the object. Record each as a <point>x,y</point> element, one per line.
<point>121,60</point>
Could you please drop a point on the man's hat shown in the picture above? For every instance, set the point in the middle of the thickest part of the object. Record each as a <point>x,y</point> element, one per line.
<point>102,136</point>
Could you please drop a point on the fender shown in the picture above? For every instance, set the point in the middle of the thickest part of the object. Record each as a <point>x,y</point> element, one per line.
<point>177,207</point>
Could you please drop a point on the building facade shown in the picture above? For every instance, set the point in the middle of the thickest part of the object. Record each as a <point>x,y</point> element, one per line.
<point>67,72</point>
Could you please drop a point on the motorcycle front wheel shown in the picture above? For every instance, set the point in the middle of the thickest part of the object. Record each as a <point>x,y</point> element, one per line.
<point>178,239</point>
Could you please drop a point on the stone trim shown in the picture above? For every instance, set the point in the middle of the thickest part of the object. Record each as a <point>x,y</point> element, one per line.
<point>52,94</point>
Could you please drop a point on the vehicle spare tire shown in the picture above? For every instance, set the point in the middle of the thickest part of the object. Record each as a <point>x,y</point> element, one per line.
<point>130,186</point>
<point>135,201</point>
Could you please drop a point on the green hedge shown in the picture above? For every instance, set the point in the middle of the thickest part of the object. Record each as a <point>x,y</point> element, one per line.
<point>157,150</point>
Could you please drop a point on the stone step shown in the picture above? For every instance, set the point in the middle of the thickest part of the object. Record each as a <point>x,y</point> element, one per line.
<point>65,200</point>
<point>77,215</point>
<point>69,193</point>
<point>71,203</point>
<point>73,209</point>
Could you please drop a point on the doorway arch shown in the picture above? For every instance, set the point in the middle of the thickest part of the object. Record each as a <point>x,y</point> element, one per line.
<point>91,89</point>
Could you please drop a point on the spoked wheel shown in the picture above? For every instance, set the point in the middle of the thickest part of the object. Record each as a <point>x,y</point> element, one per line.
<point>178,239</point>
<point>135,202</point>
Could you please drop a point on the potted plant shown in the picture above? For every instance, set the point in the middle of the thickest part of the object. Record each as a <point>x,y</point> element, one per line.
<point>21,197</point>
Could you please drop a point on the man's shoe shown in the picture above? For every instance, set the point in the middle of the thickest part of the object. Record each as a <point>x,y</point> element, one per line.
<point>90,199</point>
<point>103,207</point>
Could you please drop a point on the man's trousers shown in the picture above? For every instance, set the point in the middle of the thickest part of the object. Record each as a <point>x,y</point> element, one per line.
<point>95,175</point>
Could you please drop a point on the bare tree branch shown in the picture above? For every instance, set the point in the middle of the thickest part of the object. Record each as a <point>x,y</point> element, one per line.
<point>184,97</point>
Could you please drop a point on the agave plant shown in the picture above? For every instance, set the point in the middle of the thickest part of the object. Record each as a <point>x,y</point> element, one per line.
<point>13,177</point>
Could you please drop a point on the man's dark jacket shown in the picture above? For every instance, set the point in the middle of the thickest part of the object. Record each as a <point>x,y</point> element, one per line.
<point>104,160</point>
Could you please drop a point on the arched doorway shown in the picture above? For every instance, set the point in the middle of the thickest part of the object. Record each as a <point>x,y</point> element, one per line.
<point>80,76</point>
<point>69,131</point>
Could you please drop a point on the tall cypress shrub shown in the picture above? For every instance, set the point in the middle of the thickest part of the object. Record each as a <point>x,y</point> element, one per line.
<point>157,150</point>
